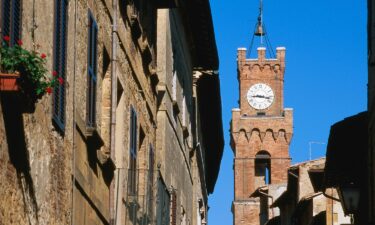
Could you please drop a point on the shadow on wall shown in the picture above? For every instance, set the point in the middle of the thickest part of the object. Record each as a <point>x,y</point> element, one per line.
<point>17,149</point>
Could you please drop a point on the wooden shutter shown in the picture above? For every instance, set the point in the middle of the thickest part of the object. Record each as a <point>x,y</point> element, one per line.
<point>16,21</point>
<point>6,17</point>
<point>150,191</point>
<point>92,71</point>
<point>11,20</point>
<point>163,204</point>
<point>133,152</point>
<point>60,42</point>
<point>133,132</point>
<point>173,207</point>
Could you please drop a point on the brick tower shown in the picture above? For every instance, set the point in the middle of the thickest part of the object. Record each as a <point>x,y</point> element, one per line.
<point>261,131</point>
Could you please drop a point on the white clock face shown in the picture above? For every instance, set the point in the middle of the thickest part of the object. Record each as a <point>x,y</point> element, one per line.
<point>260,96</point>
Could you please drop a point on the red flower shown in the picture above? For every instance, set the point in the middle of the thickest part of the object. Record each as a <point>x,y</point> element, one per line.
<point>6,38</point>
<point>43,56</point>
<point>54,73</point>
<point>61,81</point>
<point>49,90</point>
<point>19,42</point>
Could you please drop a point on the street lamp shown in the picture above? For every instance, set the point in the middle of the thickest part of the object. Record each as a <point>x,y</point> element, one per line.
<point>349,195</point>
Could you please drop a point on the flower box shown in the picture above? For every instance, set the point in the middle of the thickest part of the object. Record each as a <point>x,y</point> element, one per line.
<point>8,82</point>
<point>32,81</point>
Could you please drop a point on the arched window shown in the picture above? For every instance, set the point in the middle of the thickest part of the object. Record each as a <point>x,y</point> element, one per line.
<point>262,168</point>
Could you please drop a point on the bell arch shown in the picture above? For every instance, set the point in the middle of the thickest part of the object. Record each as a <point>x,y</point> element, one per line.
<point>262,168</point>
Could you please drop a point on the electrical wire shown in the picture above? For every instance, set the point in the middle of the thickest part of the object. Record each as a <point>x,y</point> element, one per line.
<point>252,42</point>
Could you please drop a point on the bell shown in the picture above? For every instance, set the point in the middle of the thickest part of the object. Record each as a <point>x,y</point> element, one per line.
<point>259,31</point>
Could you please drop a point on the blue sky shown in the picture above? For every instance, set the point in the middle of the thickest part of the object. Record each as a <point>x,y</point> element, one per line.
<point>325,78</point>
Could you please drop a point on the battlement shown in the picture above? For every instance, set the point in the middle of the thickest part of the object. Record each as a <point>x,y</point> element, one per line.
<point>280,56</point>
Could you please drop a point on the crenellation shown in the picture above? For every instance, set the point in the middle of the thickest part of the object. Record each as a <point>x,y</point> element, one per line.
<point>260,137</point>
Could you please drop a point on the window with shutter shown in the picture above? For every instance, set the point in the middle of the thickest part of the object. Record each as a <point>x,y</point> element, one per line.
<point>59,61</point>
<point>173,207</point>
<point>11,20</point>
<point>92,71</point>
<point>174,86</point>
<point>150,191</point>
<point>132,180</point>
<point>163,204</point>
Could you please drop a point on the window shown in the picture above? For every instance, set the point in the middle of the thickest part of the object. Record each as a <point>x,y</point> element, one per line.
<point>174,86</point>
<point>11,20</point>
<point>132,182</point>
<point>263,167</point>
<point>184,111</point>
<point>59,61</point>
<point>163,201</point>
<point>173,207</point>
<point>92,71</point>
<point>151,165</point>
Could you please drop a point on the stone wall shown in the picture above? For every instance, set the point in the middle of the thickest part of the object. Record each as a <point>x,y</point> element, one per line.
<point>39,172</point>
<point>175,112</point>
<point>70,176</point>
<point>35,158</point>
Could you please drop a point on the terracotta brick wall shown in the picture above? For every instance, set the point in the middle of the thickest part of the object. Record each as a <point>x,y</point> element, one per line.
<point>252,133</point>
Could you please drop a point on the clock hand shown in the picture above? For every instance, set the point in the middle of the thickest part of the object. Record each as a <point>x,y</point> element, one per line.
<point>258,96</point>
<point>261,96</point>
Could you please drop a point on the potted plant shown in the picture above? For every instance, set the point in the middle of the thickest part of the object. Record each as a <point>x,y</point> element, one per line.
<point>25,71</point>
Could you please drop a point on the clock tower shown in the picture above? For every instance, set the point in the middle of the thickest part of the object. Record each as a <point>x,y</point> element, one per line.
<point>261,131</point>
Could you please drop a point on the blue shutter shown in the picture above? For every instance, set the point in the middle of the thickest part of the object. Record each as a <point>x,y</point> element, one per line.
<point>133,133</point>
<point>6,17</point>
<point>60,41</point>
<point>132,188</point>
<point>163,204</point>
<point>92,71</point>
<point>16,21</point>
<point>62,72</point>
<point>95,49</point>
<point>11,20</point>
<point>56,61</point>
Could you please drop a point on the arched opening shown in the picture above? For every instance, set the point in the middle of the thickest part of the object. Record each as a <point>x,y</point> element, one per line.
<point>262,168</point>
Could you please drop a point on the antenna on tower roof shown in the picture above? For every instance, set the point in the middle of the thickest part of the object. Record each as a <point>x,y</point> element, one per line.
<point>260,31</point>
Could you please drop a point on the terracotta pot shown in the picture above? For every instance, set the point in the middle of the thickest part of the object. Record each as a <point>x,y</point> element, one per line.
<point>8,82</point>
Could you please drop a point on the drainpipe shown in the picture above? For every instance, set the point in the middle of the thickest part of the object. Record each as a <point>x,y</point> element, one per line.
<point>113,107</point>
<point>269,196</point>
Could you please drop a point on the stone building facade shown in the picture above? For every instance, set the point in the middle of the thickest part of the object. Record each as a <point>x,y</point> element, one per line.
<point>261,132</point>
<point>306,200</point>
<point>121,141</point>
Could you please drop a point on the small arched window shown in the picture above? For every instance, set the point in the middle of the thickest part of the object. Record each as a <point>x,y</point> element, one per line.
<point>262,168</point>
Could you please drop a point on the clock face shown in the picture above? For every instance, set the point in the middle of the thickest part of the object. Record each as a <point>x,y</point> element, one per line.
<point>260,96</point>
